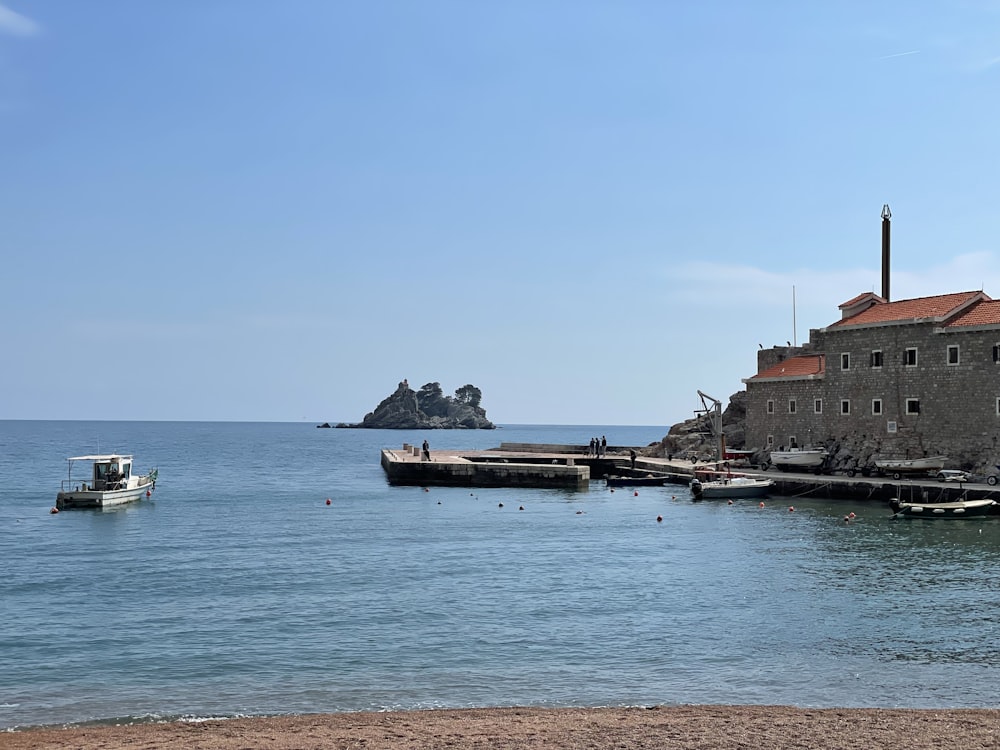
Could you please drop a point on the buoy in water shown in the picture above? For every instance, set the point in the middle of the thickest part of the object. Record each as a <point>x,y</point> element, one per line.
<point>659,519</point>
<point>148,493</point>
<point>54,510</point>
<point>521,508</point>
<point>730,502</point>
<point>500,505</point>
<point>761,504</point>
<point>791,508</point>
<point>635,494</point>
<point>851,515</point>
<point>328,501</point>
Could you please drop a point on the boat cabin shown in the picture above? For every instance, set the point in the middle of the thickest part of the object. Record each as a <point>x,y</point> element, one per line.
<point>109,471</point>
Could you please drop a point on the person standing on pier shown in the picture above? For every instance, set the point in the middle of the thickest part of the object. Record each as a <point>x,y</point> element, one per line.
<point>426,452</point>
<point>631,455</point>
<point>604,446</point>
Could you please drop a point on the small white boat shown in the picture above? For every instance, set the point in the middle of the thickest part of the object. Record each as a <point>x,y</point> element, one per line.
<point>726,487</point>
<point>799,458</point>
<point>111,481</point>
<point>898,466</point>
<point>960,509</point>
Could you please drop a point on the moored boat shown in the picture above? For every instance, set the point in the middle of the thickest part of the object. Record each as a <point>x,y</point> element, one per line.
<point>960,509</point>
<point>111,482</point>
<point>650,480</point>
<point>730,487</point>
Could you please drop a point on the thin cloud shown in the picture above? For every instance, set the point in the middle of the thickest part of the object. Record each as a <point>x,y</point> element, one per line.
<point>16,24</point>
<point>899,54</point>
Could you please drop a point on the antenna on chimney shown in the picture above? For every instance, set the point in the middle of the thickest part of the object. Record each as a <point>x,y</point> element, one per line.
<point>886,221</point>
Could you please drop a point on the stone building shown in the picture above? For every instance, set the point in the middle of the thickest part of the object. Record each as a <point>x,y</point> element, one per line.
<point>906,378</point>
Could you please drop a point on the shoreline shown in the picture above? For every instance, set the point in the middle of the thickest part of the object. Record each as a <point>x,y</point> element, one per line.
<point>706,727</point>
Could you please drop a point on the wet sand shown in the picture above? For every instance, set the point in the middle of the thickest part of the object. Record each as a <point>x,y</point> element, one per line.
<point>695,727</point>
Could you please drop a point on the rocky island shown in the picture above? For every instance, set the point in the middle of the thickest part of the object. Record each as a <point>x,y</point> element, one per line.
<point>428,409</point>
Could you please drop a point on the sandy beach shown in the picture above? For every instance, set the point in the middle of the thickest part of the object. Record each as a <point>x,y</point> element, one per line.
<point>701,727</point>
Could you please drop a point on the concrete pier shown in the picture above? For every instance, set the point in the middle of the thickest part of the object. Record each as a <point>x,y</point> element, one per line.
<point>569,467</point>
<point>484,469</point>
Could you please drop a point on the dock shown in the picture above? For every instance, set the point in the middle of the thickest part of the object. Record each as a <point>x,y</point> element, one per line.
<point>570,467</point>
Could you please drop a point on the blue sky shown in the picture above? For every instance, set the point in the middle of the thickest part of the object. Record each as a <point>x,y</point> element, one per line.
<point>247,210</point>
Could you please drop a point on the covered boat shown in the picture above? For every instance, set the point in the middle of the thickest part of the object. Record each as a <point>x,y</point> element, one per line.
<point>959,509</point>
<point>109,482</point>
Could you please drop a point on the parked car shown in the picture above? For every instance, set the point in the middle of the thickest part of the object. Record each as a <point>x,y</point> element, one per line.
<point>954,475</point>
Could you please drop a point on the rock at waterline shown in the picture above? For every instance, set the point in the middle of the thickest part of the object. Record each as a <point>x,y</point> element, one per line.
<point>428,409</point>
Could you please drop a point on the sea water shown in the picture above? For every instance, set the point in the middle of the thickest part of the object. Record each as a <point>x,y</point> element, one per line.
<point>237,590</point>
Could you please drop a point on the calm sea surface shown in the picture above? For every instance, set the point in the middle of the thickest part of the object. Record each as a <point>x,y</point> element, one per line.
<point>236,590</point>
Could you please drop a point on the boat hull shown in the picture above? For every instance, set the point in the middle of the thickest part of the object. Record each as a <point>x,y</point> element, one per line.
<point>799,459</point>
<point>101,498</point>
<point>925,464</point>
<point>962,509</point>
<point>731,488</point>
<point>614,481</point>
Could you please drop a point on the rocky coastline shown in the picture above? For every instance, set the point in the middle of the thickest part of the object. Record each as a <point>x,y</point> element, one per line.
<point>426,409</point>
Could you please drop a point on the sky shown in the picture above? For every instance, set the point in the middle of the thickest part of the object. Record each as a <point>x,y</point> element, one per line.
<point>275,211</point>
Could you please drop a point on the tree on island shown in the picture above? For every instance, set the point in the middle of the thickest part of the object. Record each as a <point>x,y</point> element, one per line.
<point>469,394</point>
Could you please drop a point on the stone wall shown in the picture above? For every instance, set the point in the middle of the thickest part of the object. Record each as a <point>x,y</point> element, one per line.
<point>958,403</point>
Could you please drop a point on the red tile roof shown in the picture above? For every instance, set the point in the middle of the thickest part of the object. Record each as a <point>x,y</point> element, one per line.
<point>795,367</point>
<point>981,314</point>
<point>855,300</point>
<point>907,310</point>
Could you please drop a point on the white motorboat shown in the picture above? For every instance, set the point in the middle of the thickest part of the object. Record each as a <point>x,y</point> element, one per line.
<point>804,459</point>
<point>111,481</point>
<point>729,487</point>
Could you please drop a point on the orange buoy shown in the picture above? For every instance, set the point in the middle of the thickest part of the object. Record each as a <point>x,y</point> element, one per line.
<point>851,515</point>
<point>328,501</point>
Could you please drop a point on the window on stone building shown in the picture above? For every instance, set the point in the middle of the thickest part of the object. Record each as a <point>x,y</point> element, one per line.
<point>845,361</point>
<point>913,406</point>
<point>770,406</point>
<point>911,357</point>
<point>876,406</point>
<point>791,406</point>
<point>876,360</point>
<point>818,406</point>
<point>770,440</point>
<point>845,406</point>
<point>998,406</point>
<point>996,353</point>
<point>953,354</point>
